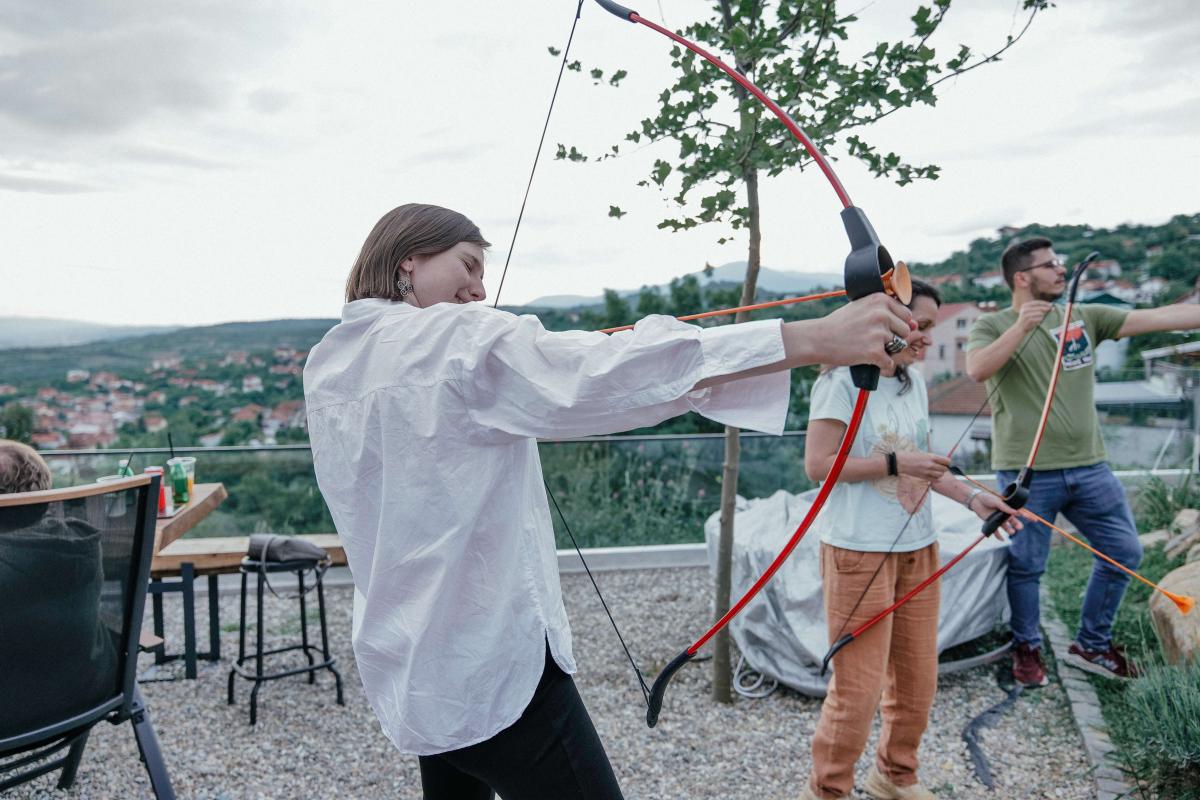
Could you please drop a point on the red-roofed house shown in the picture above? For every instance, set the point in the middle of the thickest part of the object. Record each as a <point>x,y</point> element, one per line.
<point>289,414</point>
<point>52,440</point>
<point>953,279</point>
<point>249,413</point>
<point>990,280</point>
<point>952,404</point>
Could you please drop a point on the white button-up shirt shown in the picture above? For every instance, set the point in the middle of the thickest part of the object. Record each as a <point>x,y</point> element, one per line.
<point>423,425</point>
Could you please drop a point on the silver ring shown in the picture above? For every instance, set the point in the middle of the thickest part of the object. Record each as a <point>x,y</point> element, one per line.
<point>895,345</point>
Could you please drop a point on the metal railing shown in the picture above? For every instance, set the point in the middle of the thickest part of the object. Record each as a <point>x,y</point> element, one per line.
<point>614,490</point>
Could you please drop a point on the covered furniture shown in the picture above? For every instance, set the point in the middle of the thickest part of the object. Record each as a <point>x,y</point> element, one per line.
<point>74,567</point>
<point>782,632</point>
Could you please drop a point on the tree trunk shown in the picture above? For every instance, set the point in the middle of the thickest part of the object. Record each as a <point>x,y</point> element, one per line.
<point>722,670</point>
<point>722,665</point>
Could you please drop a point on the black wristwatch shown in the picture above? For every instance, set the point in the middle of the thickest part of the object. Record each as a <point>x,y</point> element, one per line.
<point>893,468</point>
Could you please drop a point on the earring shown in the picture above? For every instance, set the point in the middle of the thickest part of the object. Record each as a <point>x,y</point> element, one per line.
<point>404,286</point>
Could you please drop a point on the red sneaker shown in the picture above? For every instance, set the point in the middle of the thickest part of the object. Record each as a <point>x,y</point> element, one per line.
<point>1110,663</point>
<point>1028,669</point>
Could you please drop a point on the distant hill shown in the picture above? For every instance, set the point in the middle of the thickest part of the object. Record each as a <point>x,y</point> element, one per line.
<point>134,353</point>
<point>49,332</point>
<point>769,280</point>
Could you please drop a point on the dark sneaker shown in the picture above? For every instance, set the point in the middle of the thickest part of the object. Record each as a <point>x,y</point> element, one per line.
<point>1110,663</point>
<point>1028,669</point>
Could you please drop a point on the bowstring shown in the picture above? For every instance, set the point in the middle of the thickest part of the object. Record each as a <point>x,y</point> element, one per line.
<point>537,156</point>
<point>507,260</point>
<point>641,678</point>
<point>970,423</point>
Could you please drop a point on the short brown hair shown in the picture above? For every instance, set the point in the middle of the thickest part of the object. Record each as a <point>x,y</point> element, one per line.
<point>22,469</point>
<point>413,229</point>
<point>1017,256</point>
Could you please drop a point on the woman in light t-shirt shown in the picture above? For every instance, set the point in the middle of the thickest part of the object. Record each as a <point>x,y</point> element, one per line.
<point>881,492</point>
<point>424,408</point>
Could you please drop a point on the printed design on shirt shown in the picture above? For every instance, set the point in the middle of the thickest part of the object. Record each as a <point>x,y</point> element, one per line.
<point>1078,352</point>
<point>910,492</point>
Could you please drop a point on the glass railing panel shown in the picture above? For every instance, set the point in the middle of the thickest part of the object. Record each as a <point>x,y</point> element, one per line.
<point>271,489</point>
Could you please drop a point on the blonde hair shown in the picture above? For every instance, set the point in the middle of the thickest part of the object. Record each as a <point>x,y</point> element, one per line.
<point>414,229</point>
<point>22,469</point>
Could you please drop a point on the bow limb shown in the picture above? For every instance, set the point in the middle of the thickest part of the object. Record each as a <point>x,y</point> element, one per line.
<point>659,688</point>
<point>867,268</point>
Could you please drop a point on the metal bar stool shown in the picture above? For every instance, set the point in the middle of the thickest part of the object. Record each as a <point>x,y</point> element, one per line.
<point>261,569</point>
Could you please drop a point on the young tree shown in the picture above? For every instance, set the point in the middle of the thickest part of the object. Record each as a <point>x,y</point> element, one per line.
<point>793,50</point>
<point>16,423</point>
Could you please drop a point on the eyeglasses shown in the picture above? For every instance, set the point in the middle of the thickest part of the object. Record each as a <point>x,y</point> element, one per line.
<point>1054,263</point>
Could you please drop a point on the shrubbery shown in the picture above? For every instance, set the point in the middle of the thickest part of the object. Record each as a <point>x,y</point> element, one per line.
<point>1161,730</point>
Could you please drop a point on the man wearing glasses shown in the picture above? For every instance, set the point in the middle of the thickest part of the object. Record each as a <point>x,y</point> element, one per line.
<point>1015,348</point>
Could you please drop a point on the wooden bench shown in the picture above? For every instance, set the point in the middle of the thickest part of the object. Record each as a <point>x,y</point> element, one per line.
<point>213,556</point>
<point>221,555</point>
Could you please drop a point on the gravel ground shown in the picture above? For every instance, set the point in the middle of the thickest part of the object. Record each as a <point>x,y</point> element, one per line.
<point>306,746</point>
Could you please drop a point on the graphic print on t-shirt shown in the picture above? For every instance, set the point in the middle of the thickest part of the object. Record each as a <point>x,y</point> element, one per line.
<point>1078,352</point>
<point>909,491</point>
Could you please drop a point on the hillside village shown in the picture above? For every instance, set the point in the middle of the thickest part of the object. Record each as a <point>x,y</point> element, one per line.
<point>238,398</point>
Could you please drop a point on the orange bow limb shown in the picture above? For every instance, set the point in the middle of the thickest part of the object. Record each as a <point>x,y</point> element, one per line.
<point>1182,601</point>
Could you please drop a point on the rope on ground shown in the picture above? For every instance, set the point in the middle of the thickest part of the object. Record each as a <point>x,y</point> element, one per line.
<point>987,719</point>
<point>749,682</point>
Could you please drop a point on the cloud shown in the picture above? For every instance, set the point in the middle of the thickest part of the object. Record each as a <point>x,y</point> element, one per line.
<point>22,183</point>
<point>83,80</point>
<point>269,101</point>
<point>155,154</point>
<point>986,220</point>
<point>1162,38</point>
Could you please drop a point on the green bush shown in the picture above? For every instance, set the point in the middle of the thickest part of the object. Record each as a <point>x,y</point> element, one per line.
<point>1162,730</point>
<point>658,491</point>
<point>1158,502</point>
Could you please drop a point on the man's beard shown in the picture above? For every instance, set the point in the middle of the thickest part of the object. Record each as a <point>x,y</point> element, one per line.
<point>1048,295</point>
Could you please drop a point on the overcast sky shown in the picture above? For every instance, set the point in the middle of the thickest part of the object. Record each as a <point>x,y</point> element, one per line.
<point>184,162</point>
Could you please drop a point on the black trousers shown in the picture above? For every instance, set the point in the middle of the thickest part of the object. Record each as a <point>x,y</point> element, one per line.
<point>551,753</point>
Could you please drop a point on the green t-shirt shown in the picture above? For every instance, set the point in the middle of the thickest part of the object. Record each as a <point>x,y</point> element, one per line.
<point>1072,437</point>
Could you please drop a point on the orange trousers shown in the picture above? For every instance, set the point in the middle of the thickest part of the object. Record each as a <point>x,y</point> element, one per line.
<point>892,667</point>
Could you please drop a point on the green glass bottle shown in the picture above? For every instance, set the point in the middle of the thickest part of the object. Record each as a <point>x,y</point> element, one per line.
<point>179,484</point>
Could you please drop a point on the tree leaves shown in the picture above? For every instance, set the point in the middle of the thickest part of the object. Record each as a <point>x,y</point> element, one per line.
<point>796,55</point>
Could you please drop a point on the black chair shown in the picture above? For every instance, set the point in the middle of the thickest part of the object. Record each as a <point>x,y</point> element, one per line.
<point>323,659</point>
<point>74,567</point>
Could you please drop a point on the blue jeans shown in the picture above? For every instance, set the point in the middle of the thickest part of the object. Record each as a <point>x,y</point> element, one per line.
<point>1094,501</point>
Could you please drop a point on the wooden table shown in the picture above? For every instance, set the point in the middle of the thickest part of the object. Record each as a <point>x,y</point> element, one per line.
<point>205,499</point>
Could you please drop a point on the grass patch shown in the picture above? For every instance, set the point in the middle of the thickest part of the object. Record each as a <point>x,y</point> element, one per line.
<point>1154,721</point>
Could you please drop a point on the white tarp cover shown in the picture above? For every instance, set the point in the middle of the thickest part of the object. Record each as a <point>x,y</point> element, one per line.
<point>782,632</point>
